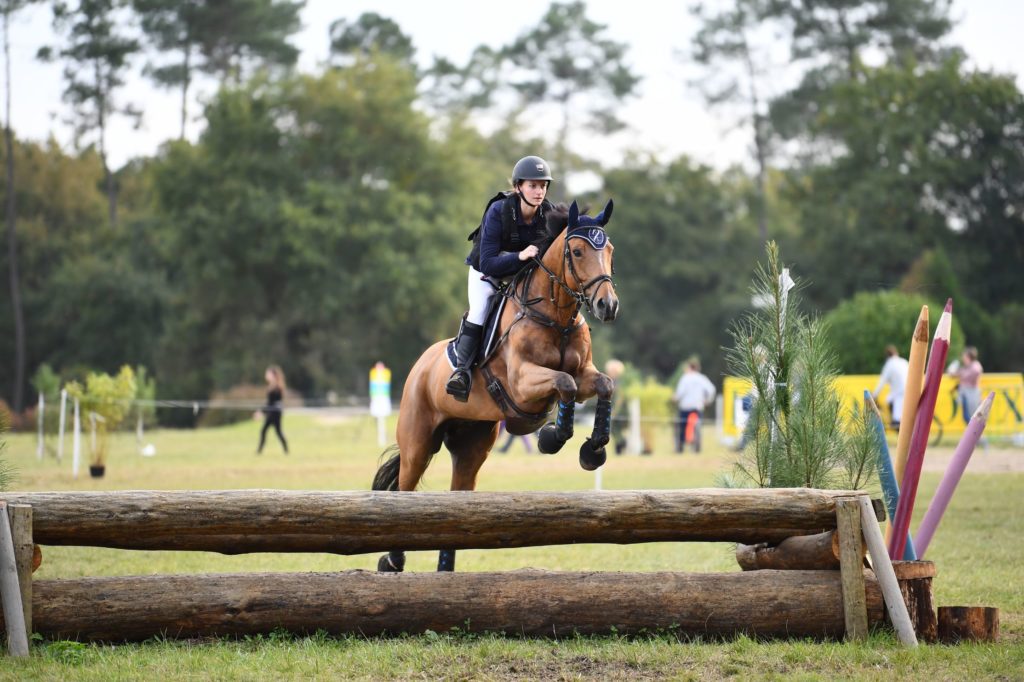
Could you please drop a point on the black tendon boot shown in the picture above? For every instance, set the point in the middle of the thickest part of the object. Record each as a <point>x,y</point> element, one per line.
<point>461,381</point>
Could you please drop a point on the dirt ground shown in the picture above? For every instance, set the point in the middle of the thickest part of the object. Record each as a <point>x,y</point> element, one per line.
<point>990,460</point>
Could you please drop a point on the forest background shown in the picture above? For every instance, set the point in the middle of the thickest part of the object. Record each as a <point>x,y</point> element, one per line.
<point>318,218</point>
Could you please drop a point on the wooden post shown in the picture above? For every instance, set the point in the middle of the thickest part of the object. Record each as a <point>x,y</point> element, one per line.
<point>968,623</point>
<point>24,556</point>
<point>894,603</point>
<point>850,564</point>
<point>10,593</point>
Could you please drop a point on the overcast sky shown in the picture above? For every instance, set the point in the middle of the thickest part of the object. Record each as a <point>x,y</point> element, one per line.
<point>668,117</point>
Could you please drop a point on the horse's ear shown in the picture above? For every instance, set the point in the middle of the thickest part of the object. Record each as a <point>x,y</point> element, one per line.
<point>606,214</point>
<point>574,215</point>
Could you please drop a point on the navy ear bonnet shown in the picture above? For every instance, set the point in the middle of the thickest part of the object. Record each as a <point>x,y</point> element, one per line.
<point>589,228</point>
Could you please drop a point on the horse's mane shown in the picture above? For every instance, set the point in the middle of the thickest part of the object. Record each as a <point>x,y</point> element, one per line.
<point>556,220</point>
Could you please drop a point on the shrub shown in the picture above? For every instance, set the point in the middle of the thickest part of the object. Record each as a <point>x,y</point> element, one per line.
<point>861,327</point>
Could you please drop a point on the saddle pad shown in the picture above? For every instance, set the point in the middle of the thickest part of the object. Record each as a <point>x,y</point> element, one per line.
<point>491,334</point>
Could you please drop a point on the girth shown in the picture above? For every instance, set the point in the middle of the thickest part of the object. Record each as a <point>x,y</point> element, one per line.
<point>504,401</point>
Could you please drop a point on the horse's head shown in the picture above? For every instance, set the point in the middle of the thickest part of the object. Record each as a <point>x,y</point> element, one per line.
<point>588,257</point>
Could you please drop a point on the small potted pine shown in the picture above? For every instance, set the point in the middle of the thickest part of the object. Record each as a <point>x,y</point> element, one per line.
<point>104,401</point>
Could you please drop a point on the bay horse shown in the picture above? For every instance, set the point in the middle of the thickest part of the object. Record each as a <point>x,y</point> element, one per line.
<point>544,356</point>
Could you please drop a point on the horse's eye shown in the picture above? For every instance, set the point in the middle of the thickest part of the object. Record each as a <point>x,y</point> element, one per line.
<point>577,252</point>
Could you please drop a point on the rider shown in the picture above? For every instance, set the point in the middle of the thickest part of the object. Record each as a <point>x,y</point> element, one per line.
<point>502,245</point>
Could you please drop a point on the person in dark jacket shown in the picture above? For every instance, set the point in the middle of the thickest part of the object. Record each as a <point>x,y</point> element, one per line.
<point>503,245</point>
<point>272,410</point>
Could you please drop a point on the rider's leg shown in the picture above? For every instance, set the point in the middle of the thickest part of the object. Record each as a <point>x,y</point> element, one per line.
<point>480,291</point>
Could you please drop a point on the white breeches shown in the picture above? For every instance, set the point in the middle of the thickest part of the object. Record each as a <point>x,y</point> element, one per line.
<point>480,292</point>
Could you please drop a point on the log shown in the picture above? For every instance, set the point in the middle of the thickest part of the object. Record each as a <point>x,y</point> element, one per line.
<point>801,552</point>
<point>915,580</point>
<point>237,521</point>
<point>968,623</point>
<point>527,602</point>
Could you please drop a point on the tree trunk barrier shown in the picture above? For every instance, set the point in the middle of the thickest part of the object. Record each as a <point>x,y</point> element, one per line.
<point>784,601</point>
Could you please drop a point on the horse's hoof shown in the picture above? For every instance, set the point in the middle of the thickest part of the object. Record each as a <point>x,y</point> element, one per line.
<point>547,439</point>
<point>384,565</point>
<point>591,459</point>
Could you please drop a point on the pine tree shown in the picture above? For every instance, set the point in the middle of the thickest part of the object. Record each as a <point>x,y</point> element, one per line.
<point>797,434</point>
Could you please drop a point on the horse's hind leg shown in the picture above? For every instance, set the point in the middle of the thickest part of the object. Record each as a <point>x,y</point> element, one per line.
<point>469,443</point>
<point>418,442</point>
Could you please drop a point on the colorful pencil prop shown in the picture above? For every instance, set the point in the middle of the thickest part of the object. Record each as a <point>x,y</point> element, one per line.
<point>886,476</point>
<point>911,398</point>
<point>922,427</point>
<point>957,465</point>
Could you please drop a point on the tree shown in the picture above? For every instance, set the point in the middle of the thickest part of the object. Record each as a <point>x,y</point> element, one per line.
<point>214,37</point>
<point>832,36</point>
<point>923,158</point>
<point>677,273</point>
<point>567,60</point>
<point>96,55</point>
<point>371,33</point>
<point>9,8</point>
<point>797,434</point>
<point>237,35</point>
<point>724,42</point>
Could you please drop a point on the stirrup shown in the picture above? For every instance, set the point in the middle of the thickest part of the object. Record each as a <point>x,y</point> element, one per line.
<point>460,384</point>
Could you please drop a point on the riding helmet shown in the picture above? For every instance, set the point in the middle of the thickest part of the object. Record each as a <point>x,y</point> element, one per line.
<point>531,168</point>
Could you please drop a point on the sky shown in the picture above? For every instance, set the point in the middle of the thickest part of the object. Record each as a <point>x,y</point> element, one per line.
<point>667,118</point>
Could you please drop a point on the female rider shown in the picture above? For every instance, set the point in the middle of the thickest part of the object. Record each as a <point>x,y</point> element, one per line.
<point>503,244</point>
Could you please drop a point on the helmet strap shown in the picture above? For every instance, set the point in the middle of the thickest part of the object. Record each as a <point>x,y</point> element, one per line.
<point>523,196</point>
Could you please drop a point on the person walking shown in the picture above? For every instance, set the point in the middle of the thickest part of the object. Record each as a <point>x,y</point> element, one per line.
<point>894,374</point>
<point>272,410</point>
<point>693,393</point>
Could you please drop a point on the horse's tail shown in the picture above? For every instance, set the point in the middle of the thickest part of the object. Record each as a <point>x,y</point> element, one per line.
<point>386,477</point>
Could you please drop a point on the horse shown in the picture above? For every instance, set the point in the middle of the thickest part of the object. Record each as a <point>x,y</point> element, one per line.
<point>544,355</point>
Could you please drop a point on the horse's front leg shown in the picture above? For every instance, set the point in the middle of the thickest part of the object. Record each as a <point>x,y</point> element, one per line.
<point>534,383</point>
<point>591,382</point>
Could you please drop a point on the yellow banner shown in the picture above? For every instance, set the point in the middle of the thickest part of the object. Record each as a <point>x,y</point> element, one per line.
<point>1006,418</point>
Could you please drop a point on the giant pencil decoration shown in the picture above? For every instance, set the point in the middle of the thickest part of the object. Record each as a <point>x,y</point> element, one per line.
<point>954,471</point>
<point>911,398</point>
<point>890,489</point>
<point>922,427</point>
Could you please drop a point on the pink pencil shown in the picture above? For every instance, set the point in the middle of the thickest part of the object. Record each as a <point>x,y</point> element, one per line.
<point>944,493</point>
<point>922,427</point>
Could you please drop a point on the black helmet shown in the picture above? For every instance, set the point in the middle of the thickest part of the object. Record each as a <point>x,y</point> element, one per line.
<point>531,168</point>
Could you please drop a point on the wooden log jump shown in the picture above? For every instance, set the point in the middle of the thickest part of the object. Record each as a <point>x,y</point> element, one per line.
<point>765,603</point>
<point>239,521</point>
<point>529,602</point>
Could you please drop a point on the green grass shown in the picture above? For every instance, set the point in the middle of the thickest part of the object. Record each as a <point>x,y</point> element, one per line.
<point>976,551</point>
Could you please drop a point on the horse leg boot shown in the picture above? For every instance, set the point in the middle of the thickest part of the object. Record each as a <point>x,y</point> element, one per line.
<point>592,453</point>
<point>392,562</point>
<point>461,381</point>
<point>552,436</point>
<point>446,560</point>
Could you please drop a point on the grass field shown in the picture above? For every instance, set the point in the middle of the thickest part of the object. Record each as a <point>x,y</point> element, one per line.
<point>977,551</point>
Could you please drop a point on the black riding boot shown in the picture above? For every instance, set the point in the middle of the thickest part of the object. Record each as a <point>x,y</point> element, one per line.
<point>461,381</point>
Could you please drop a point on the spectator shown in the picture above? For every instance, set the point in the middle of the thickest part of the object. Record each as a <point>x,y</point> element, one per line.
<point>693,393</point>
<point>968,373</point>
<point>272,410</point>
<point>894,374</point>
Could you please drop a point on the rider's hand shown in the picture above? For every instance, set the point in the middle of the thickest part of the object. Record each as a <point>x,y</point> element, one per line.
<point>529,252</point>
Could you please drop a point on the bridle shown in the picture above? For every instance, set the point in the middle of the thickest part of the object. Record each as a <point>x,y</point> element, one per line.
<point>597,238</point>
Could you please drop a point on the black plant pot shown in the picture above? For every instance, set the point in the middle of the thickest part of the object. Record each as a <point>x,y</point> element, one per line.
<point>97,470</point>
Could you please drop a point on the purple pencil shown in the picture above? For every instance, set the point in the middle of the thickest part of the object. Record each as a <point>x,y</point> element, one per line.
<point>954,471</point>
<point>922,426</point>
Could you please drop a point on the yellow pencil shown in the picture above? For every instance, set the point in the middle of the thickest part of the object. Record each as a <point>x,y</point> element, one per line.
<point>911,397</point>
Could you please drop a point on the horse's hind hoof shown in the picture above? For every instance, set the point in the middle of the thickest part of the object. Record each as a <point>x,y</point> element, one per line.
<point>547,439</point>
<point>384,565</point>
<point>591,459</point>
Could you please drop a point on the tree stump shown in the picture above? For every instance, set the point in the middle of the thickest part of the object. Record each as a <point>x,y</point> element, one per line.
<point>915,579</point>
<point>968,623</point>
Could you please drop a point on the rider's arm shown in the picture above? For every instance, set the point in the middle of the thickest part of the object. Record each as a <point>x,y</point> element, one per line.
<point>493,261</point>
